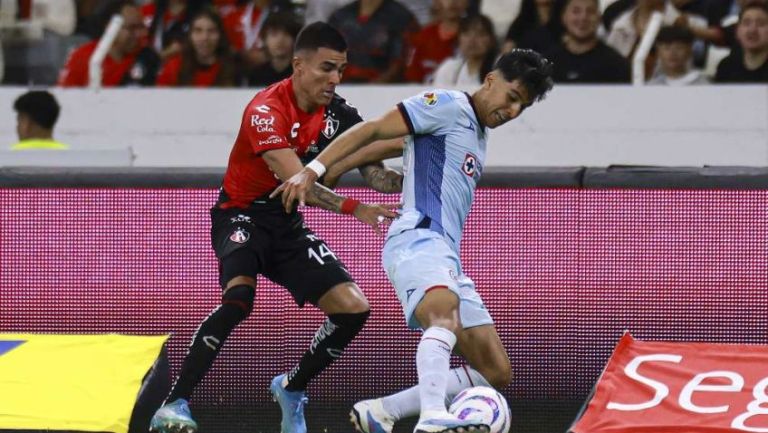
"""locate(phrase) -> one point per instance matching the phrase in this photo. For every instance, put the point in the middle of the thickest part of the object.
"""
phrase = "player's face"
(502, 100)
(318, 73)
(204, 36)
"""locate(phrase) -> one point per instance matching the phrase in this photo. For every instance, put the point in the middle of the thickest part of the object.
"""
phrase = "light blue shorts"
(416, 260)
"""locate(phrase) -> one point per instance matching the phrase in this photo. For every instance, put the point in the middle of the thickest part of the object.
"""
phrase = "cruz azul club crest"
(240, 236)
(470, 165)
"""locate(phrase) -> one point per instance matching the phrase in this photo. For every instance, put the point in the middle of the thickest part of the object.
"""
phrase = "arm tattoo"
(382, 179)
(322, 197)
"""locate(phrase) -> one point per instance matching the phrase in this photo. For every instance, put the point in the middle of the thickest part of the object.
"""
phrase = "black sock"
(329, 342)
(209, 338)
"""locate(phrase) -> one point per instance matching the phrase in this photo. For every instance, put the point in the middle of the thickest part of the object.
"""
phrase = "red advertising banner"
(666, 387)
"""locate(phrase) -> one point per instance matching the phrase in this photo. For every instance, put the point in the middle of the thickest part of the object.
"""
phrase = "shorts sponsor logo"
(331, 126)
(273, 139)
(470, 165)
(240, 236)
(429, 99)
(240, 218)
(263, 123)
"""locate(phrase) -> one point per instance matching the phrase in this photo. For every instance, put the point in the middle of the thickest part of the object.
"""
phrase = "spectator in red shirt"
(435, 42)
(128, 61)
(279, 34)
(205, 58)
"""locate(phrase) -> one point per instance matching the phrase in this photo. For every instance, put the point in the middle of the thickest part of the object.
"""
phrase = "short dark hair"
(753, 4)
(669, 34)
(281, 21)
(320, 35)
(530, 68)
(103, 13)
(40, 106)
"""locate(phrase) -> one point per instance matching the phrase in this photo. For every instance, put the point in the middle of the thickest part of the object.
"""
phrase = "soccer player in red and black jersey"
(252, 234)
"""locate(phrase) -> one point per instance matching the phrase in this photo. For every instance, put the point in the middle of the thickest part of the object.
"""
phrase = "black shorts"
(263, 239)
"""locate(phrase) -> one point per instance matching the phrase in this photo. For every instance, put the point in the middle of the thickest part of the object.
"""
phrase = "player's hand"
(296, 188)
(376, 215)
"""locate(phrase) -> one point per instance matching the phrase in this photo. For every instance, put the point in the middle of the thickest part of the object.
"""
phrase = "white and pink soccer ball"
(483, 404)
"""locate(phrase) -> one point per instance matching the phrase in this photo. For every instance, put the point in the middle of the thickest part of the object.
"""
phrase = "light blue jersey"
(442, 163)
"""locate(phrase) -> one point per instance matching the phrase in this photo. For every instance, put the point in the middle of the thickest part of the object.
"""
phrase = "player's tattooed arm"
(382, 179)
(322, 197)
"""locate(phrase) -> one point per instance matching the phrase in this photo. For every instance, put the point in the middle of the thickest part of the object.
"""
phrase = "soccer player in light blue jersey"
(444, 153)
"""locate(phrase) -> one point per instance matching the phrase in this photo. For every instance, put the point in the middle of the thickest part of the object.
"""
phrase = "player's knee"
(240, 297)
(352, 322)
(345, 298)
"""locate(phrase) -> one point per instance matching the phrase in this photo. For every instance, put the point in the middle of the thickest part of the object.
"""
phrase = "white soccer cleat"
(444, 422)
(369, 416)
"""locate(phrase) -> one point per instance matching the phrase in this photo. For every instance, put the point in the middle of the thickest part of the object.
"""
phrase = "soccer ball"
(483, 404)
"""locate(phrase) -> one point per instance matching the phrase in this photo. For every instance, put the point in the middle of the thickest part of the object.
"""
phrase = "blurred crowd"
(233, 43)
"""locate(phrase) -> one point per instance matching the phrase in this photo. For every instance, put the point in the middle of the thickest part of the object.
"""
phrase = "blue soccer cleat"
(444, 422)
(369, 416)
(173, 417)
(292, 405)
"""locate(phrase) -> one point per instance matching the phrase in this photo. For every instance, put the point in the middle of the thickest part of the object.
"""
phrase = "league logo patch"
(331, 126)
(240, 236)
(430, 99)
(470, 165)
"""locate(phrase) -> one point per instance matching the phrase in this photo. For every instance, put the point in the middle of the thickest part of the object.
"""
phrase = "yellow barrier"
(72, 382)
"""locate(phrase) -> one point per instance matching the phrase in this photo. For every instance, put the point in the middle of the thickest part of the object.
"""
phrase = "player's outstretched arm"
(391, 125)
(284, 163)
(368, 160)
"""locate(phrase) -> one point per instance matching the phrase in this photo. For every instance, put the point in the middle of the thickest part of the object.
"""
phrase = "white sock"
(433, 359)
(407, 402)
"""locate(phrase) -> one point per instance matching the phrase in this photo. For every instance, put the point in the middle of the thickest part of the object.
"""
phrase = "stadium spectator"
(750, 63)
(675, 51)
(477, 53)
(629, 26)
(36, 115)
(168, 22)
(531, 29)
(702, 17)
(731, 19)
(581, 57)
(435, 42)
(244, 25)
(321, 10)
(278, 34)
(205, 59)
(128, 61)
(377, 31)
